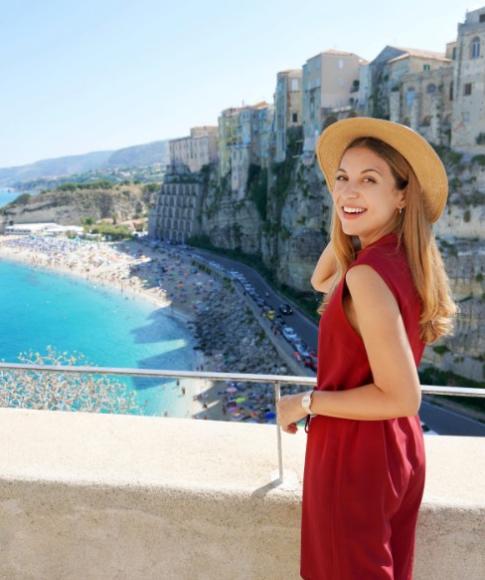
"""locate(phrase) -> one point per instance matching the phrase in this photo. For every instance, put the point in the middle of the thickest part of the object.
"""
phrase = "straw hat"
(425, 162)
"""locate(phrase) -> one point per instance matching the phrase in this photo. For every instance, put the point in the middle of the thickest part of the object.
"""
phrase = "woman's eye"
(369, 178)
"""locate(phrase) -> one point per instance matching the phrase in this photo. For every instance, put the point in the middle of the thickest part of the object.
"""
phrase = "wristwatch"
(306, 402)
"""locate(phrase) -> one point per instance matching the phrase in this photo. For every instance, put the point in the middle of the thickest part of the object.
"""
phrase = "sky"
(95, 75)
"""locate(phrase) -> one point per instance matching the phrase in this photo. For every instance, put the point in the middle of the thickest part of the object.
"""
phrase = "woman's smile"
(351, 212)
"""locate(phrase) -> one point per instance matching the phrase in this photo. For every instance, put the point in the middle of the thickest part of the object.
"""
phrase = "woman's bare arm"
(325, 270)
(396, 390)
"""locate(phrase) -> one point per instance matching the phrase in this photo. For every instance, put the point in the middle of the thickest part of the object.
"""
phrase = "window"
(410, 94)
(467, 89)
(453, 53)
(294, 84)
(451, 91)
(294, 118)
(426, 67)
(482, 17)
(475, 47)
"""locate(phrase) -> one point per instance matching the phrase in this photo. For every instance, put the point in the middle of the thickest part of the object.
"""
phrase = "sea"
(7, 195)
(39, 308)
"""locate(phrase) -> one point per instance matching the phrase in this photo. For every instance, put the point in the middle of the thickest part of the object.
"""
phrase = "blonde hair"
(415, 232)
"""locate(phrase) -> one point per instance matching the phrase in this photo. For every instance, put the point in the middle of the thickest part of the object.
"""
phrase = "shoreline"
(133, 286)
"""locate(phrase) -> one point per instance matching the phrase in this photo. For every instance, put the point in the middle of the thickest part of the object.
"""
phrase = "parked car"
(289, 333)
(285, 309)
(310, 361)
(301, 347)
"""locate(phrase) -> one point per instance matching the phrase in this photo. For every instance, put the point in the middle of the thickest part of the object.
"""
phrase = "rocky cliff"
(122, 202)
(285, 219)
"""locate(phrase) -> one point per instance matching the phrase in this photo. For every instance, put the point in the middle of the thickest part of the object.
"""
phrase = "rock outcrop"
(121, 202)
(291, 232)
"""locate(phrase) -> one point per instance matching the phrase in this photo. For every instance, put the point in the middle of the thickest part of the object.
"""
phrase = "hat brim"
(420, 155)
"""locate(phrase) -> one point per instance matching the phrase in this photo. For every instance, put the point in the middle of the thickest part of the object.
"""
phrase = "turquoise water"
(40, 308)
(7, 196)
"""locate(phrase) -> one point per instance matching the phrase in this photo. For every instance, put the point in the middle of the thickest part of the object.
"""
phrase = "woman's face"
(364, 181)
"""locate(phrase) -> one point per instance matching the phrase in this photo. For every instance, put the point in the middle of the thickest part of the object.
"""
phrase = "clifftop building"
(330, 89)
(468, 118)
(383, 75)
(177, 206)
(288, 108)
(196, 150)
(244, 139)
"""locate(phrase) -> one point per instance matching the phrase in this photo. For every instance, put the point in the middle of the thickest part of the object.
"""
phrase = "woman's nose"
(350, 191)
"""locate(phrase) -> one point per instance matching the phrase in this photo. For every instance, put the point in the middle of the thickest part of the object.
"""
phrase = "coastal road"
(448, 422)
(441, 420)
(305, 328)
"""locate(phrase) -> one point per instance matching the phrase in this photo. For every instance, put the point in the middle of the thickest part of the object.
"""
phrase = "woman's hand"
(289, 411)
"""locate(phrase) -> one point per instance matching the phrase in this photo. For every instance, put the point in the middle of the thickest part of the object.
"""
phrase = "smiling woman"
(388, 297)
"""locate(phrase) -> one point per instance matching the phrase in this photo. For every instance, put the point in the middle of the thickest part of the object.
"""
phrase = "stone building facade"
(424, 103)
(199, 149)
(468, 119)
(385, 74)
(177, 207)
(422, 97)
(288, 108)
(330, 81)
(245, 138)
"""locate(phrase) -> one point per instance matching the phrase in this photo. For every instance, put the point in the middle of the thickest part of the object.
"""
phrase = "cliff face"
(284, 223)
(290, 229)
(464, 351)
(71, 207)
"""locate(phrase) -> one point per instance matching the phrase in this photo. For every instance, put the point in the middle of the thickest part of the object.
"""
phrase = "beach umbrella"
(270, 415)
(240, 399)
(231, 390)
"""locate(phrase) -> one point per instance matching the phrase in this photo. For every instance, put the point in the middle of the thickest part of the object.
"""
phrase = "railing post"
(277, 396)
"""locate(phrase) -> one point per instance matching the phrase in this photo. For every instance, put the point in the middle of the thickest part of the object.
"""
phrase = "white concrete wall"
(97, 496)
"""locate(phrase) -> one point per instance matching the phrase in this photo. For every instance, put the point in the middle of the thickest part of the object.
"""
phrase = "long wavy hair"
(414, 231)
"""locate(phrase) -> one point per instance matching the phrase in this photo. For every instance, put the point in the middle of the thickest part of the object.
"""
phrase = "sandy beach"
(226, 335)
(132, 269)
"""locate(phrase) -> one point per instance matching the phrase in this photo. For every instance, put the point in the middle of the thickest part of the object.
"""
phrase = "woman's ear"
(402, 198)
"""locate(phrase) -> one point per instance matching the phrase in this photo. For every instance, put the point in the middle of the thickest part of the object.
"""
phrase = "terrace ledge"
(88, 495)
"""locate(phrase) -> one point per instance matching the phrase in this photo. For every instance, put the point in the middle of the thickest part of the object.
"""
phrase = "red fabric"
(363, 479)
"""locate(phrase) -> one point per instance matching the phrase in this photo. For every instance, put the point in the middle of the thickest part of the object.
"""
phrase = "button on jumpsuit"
(363, 479)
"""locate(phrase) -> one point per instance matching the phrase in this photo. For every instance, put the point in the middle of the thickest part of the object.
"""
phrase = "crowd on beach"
(171, 279)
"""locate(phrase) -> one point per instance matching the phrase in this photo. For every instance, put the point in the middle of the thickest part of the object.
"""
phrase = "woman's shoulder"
(390, 258)
(382, 251)
(390, 263)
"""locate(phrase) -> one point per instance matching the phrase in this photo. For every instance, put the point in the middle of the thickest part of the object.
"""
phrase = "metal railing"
(276, 380)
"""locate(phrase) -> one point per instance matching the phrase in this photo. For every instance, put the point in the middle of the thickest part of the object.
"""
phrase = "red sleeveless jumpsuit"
(363, 479)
